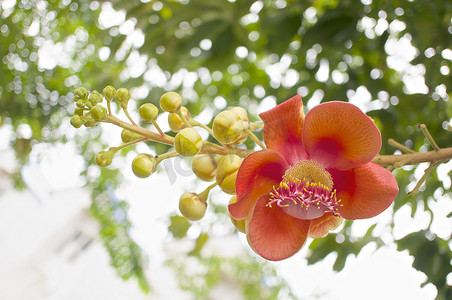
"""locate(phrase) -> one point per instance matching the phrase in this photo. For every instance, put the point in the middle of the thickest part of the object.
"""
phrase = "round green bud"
(204, 166)
(98, 113)
(128, 136)
(79, 111)
(144, 165)
(95, 98)
(227, 172)
(80, 103)
(228, 127)
(104, 158)
(76, 121)
(148, 112)
(188, 142)
(109, 92)
(123, 96)
(170, 101)
(175, 121)
(192, 206)
(90, 123)
(239, 224)
(241, 112)
(81, 92)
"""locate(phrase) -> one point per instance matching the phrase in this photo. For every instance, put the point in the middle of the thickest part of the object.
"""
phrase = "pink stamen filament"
(305, 194)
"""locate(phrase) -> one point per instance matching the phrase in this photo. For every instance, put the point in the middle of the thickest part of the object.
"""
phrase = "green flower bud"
(95, 98)
(80, 103)
(81, 92)
(192, 206)
(239, 224)
(228, 127)
(188, 142)
(109, 92)
(144, 165)
(104, 158)
(170, 101)
(123, 96)
(79, 111)
(227, 172)
(148, 112)
(128, 136)
(241, 112)
(90, 123)
(76, 121)
(175, 121)
(204, 166)
(98, 113)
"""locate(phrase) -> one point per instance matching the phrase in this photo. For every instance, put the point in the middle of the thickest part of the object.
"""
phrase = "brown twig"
(415, 158)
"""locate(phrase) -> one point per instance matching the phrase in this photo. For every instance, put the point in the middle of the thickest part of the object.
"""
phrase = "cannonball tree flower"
(315, 172)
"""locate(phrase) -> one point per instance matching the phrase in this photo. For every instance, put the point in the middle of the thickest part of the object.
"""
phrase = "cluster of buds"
(211, 161)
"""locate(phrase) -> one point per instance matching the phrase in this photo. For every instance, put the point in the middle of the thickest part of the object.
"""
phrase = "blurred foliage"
(422, 245)
(254, 277)
(397, 54)
(111, 212)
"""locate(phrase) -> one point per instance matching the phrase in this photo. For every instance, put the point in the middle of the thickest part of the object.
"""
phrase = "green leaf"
(179, 226)
(200, 241)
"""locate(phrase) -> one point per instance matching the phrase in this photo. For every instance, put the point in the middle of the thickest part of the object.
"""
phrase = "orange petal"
(257, 175)
(320, 227)
(283, 129)
(273, 234)
(340, 136)
(365, 191)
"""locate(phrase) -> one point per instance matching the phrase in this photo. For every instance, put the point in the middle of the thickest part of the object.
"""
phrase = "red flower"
(316, 171)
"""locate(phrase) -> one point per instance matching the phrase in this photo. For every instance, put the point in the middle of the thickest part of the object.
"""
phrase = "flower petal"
(320, 227)
(365, 191)
(283, 129)
(339, 135)
(259, 172)
(273, 234)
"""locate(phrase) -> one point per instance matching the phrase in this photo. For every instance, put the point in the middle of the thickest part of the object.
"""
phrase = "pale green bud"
(192, 206)
(188, 142)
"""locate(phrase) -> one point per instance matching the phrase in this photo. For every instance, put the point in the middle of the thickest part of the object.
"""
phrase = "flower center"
(305, 192)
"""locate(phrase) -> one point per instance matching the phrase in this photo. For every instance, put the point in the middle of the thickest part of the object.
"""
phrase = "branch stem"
(434, 156)
(255, 139)
(423, 178)
(429, 137)
(400, 146)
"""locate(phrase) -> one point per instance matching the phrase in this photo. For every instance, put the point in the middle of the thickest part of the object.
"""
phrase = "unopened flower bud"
(76, 121)
(123, 96)
(104, 158)
(204, 166)
(239, 224)
(95, 98)
(144, 165)
(227, 127)
(109, 92)
(80, 103)
(148, 112)
(192, 206)
(188, 142)
(98, 112)
(175, 121)
(81, 92)
(90, 122)
(241, 112)
(170, 101)
(227, 173)
(79, 111)
(128, 136)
